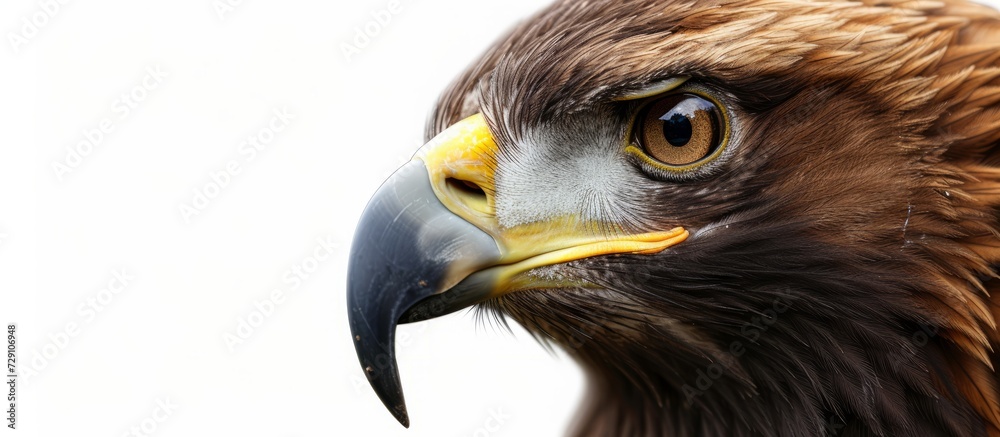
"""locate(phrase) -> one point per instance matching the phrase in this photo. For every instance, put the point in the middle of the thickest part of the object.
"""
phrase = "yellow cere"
(464, 152)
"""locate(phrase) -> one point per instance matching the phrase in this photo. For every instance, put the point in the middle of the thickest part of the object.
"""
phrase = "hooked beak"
(429, 244)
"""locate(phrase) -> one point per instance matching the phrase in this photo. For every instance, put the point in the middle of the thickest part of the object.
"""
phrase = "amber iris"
(680, 129)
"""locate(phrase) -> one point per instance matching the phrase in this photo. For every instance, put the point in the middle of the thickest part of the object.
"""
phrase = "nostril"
(465, 187)
(469, 194)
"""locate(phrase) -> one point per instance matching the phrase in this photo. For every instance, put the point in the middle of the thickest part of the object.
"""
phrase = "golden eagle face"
(741, 217)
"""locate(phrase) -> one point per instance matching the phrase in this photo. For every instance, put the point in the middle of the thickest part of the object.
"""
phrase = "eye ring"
(692, 132)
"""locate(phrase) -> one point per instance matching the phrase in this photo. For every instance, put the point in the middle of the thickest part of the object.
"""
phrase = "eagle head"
(741, 217)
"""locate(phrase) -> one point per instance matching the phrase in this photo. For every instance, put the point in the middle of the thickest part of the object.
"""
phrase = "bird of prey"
(740, 217)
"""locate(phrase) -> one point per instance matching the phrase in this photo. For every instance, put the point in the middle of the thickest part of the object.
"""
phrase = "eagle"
(739, 217)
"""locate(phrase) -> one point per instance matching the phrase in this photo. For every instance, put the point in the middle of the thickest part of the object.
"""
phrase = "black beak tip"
(392, 397)
(395, 404)
(400, 413)
(378, 362)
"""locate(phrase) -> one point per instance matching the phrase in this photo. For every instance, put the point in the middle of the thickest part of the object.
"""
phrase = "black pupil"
(677, 129)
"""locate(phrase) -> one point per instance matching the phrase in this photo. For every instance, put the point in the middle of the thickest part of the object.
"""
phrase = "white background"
(161, 339)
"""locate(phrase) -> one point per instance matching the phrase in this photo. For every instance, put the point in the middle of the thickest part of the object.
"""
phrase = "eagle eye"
(680, 129)
(673, 134)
